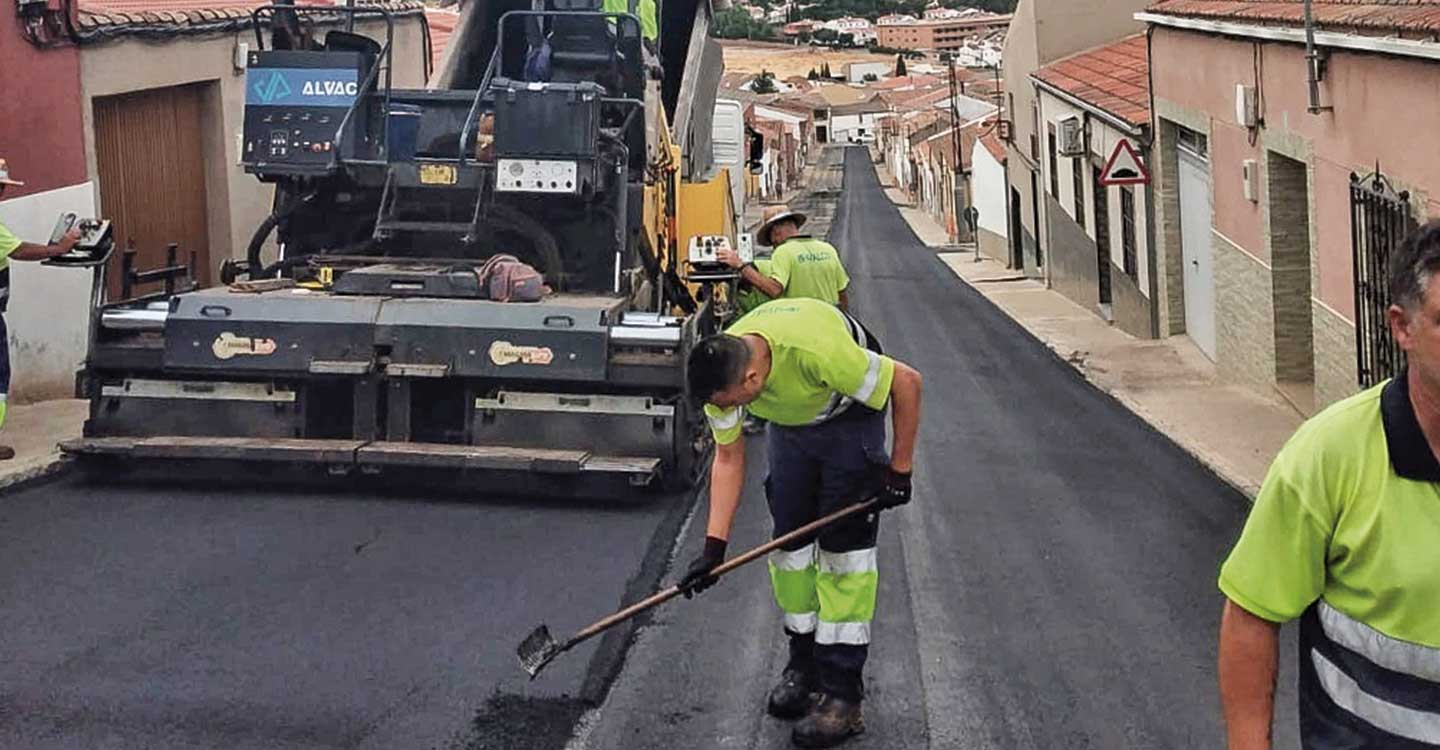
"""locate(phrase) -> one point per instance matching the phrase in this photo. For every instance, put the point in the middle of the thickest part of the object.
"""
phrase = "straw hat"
(774, 215)
(5, 175)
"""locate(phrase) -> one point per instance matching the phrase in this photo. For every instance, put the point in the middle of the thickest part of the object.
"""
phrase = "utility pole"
(959, 171)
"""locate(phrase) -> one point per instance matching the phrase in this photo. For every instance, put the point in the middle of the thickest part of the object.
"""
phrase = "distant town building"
(941, 34)
(896, 19)
(860, 29)
(857, 71)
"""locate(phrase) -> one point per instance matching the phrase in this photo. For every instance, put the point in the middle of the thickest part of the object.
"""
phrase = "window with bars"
(1127, 231)
(1054, 166)
(1077, 172)
(1380, 218)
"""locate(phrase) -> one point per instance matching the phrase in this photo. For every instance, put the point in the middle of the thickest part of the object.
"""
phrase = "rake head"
(537, 650)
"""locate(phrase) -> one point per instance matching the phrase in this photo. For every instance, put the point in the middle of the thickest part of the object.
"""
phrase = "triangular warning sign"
(1125, 167)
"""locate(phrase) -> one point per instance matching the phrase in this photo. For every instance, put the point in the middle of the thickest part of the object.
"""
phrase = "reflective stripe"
(1391, 653)
(853, 633)
(727, 421)
(845, 563)
(799, 559)
(801, 623)
(872, 379)
(1421, 726)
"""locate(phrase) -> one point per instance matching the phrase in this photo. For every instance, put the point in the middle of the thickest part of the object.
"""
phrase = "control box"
(704, 258)
(294, 103)
(96, 240)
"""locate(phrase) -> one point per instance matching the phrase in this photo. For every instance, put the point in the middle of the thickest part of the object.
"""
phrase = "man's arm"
(1249, 650)
(845, 300)
(727, 479)
(905, 415)
(767, 286)
(32, 251)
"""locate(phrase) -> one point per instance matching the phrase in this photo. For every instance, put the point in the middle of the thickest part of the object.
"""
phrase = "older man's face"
(1417, 331)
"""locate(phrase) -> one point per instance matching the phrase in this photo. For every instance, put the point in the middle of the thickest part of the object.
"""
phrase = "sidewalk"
(34, 431)
(1168, 383)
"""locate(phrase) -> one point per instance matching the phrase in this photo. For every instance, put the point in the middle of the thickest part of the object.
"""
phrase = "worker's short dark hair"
(1414, 264)
(716, 363)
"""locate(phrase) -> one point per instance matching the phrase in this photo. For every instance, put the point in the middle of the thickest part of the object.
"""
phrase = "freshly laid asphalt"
(163, 617)
(1052, 585)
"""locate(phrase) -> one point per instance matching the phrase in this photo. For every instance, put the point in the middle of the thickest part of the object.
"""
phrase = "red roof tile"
(1113, 78)
(442, 27)
(1376, 16)
(114, 16)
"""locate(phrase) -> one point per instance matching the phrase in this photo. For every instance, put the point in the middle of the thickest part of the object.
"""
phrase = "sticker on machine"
(505, 353)
(229, 345)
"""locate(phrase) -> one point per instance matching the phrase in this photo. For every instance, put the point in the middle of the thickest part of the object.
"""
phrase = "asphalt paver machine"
(360, 335)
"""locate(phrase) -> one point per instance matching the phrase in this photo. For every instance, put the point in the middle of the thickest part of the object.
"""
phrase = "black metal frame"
(1380, 218)
(470, 130)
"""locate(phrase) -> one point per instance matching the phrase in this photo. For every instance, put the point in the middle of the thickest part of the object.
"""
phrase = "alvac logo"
(329, 88)
(269, 89)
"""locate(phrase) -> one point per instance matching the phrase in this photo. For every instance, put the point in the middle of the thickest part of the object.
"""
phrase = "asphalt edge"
(1202, 456)
(1212, 461)
(44, 471)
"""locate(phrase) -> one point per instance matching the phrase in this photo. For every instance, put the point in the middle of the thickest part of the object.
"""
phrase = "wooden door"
(150, 155)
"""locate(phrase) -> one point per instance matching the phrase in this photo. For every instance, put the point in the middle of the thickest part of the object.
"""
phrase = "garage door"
(149, 149)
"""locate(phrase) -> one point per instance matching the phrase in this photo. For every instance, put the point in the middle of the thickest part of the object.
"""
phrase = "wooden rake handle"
(666, 595)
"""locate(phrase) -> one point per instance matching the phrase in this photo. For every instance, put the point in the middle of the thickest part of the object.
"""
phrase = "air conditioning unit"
(1247, 106)
(1072, 136)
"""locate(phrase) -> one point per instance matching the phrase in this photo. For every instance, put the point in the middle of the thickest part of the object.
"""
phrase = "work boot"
(831, 722)
(790, 698)
(6, 453)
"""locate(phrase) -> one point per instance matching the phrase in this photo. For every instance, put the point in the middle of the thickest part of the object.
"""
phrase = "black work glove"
(697, 577)
(895, 491)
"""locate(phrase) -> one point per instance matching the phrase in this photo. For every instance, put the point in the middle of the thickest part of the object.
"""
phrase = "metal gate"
(1379, 220)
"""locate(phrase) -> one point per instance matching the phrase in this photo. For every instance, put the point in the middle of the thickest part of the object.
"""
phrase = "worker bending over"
(813, 372)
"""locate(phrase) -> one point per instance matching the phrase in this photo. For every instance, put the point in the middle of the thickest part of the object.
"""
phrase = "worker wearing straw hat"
(11, 248)
(801, 266)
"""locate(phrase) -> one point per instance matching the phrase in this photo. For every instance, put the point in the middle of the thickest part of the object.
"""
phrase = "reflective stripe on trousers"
(829, 593)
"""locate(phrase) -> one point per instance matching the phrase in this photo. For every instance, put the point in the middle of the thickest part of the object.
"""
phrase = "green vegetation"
(764, 83)
(735, 23)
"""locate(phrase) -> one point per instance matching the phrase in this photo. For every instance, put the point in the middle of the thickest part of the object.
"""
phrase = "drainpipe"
(1314, 61)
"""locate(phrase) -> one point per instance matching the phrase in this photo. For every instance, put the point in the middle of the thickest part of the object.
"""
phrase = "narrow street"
(1038, 593)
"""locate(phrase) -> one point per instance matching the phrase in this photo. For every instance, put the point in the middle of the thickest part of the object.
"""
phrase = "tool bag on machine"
(504, 278)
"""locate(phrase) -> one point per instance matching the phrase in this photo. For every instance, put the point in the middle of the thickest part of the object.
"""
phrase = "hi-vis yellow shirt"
(809, 267)
(816, 368)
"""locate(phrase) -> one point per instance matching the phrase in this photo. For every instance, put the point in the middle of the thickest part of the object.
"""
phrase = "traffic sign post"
(1124, 167)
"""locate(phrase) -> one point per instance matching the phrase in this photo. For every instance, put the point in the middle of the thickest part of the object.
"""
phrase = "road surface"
(162, 617)
(1051, 586)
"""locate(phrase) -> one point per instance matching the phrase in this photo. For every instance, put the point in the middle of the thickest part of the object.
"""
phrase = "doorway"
(1017, 241)
(1196, 252)
(1102, 237)
(149, 151)
(1289, 202)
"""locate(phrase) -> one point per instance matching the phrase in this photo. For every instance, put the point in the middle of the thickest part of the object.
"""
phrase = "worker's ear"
(753, 381)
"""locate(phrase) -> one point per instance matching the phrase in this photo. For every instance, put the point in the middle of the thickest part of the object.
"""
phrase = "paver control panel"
(294, 104)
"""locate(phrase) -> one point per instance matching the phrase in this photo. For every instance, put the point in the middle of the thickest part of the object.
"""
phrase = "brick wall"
(1288, 203)
(1244, 315)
